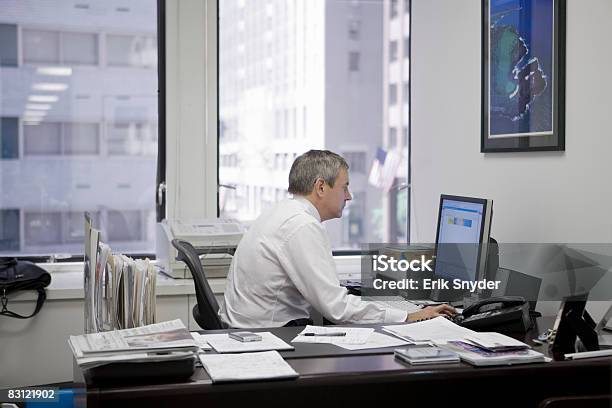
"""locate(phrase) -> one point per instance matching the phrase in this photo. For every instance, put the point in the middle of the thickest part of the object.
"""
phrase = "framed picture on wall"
(523, 75)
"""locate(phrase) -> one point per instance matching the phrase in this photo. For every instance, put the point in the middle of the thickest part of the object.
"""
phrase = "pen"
(334, 334)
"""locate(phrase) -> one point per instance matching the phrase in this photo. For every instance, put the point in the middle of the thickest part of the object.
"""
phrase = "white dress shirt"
(283, 266)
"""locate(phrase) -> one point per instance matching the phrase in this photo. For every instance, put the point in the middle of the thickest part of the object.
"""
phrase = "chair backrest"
(205, 312)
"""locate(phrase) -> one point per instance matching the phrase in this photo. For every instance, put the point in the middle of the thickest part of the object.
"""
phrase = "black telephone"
(502, 314)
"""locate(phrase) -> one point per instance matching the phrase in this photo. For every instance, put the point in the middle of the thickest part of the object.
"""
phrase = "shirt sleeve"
(306, 257)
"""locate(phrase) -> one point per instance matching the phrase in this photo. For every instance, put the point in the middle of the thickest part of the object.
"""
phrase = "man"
(284, 266)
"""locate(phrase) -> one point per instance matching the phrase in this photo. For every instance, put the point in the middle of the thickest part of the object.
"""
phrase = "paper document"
(222, 343)
(376, 340)
(495, 341)
(333, 335)
(248, 366)
(200, 342)
(437, 329)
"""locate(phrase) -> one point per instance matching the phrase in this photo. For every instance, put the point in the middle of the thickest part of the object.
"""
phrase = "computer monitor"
(462, 241)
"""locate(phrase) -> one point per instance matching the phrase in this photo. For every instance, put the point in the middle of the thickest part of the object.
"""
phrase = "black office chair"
(205, 311)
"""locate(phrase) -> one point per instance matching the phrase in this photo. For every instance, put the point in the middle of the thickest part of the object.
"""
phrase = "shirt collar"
(308, 206)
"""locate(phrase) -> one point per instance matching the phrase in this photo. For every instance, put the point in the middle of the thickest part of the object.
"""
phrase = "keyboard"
(398, 302)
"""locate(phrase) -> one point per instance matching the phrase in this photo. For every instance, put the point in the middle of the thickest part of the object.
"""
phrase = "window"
(55, 138)
(9, 134)
(124, 226)
(392, 94)
(354, 27)
(81, 138)
(42, 139)
(356, 214)
(393, 8)
(47, 46)
(354, 61)
(392, 137)
(73, 231)
(9, 230)
(356, 161)
(78, 125)
(406, 45)
(393, 51)
(130, 50)
(40, 46)
(327, 110)
(131, 139)
(8, 45)
(42, 228)
(80, 48)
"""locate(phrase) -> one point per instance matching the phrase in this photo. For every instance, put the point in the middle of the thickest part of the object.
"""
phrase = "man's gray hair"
(310, 166)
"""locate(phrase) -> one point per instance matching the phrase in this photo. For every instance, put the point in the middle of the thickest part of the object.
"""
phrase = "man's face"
(335, 197)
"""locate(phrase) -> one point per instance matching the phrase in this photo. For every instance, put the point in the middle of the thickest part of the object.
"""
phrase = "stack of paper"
(334, 335)
(426, 354)
(480, 357)
(246, 367)
(119, 291)
(222, 343)
(496, 342)
(141, 344)
(475, 348)
(439, 329)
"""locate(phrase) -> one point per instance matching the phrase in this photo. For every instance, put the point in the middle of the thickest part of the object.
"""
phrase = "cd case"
(426, 354)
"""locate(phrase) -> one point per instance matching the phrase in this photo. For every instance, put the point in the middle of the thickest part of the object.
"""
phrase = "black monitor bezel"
(485, 209)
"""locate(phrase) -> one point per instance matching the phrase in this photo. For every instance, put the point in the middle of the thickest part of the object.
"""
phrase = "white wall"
(538, 197)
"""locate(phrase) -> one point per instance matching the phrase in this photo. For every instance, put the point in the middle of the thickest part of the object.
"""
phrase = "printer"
(215, 240)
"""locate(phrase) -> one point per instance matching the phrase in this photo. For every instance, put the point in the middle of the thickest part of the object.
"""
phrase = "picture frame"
(523, 75)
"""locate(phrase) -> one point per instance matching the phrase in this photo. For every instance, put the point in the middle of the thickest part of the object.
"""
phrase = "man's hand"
(432, 311)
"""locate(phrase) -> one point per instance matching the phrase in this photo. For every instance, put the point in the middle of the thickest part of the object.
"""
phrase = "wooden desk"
(359, 379)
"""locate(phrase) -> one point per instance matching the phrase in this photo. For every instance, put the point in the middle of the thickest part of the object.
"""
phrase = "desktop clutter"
(123, 341)
(248, 356)
(238, 355)
(465, 252)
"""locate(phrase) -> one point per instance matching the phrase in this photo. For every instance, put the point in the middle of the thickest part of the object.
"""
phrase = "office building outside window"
(396, 117)
(285, 88)
(78, 124)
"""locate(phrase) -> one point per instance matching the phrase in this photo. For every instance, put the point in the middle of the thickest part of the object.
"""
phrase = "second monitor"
(462, 242)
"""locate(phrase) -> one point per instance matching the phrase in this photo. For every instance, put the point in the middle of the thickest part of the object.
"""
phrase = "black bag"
(22, 275)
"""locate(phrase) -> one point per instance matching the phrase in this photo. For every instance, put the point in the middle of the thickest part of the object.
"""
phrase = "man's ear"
(319, 186)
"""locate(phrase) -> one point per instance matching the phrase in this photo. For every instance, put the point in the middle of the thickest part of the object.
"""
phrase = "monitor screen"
(462, 238)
